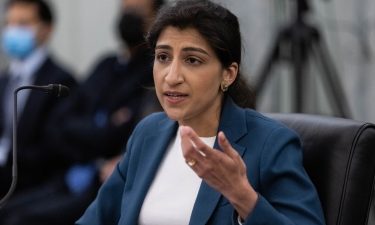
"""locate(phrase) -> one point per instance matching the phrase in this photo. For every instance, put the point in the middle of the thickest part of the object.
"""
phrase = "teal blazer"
(272, 154)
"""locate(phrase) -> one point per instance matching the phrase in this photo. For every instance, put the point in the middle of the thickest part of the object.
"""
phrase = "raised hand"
(225, 171)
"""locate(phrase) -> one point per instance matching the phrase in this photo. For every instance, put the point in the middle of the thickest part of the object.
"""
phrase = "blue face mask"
(18, 42)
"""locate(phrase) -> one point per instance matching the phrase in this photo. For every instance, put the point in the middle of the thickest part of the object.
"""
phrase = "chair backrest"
(339, 156)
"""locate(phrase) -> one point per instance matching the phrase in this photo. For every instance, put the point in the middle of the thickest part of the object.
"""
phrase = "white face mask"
(18, 42)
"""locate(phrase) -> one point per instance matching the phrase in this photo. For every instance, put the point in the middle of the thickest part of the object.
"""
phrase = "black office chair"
(339, 156)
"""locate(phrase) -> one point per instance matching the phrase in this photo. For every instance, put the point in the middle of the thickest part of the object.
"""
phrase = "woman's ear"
(230, 74)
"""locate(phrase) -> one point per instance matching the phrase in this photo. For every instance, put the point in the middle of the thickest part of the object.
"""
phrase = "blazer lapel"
(233, 124)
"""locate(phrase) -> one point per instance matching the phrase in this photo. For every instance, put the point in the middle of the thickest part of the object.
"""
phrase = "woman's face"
(187, 75)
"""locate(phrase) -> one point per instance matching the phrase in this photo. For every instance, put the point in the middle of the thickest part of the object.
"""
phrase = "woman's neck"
(207, 129)
(206, 126)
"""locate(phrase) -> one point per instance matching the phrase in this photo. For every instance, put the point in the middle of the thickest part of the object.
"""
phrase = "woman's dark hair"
(158, 4)
(218, 26)
(44, 12)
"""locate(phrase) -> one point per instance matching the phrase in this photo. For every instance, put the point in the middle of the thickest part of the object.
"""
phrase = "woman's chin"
(176, 116)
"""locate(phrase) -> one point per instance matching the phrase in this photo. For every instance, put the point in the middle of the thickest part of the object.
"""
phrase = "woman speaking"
(206, 159)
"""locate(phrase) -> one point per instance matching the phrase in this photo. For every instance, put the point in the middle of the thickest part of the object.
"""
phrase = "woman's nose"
(174, 74)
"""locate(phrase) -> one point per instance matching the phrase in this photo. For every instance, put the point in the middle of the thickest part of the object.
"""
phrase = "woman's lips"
(175, 97)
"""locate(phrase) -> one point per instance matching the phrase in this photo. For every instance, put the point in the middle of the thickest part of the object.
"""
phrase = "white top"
(25, 70)
(172, 194)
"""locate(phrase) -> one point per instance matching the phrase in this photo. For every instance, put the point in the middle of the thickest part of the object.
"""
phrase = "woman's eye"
(193, 61)
(162, 57)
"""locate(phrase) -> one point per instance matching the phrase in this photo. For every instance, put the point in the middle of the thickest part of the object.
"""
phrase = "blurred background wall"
(85, 31)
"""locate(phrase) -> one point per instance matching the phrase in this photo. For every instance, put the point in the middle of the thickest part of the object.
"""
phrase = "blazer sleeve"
(106, 208)
(286, 193)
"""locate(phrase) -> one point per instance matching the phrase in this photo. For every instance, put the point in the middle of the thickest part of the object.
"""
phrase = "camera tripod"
(296, 43)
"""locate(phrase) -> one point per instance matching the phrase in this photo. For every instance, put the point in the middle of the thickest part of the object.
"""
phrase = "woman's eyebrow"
(186, 49)
(163, 47)
(194, 49)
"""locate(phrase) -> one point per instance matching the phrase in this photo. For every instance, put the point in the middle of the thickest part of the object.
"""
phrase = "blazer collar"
(232, 120)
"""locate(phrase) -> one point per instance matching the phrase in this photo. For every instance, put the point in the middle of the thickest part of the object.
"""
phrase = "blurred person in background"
(27, 30)
(147, 9)
(88, 132)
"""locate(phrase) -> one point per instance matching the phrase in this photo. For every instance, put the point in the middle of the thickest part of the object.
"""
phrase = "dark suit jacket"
(271, 152)
(33, 158)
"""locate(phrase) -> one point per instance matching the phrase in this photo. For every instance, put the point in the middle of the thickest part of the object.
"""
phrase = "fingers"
(189, 151)
(197, 152)
(196, 142)
(226, 146)
(222, 170)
